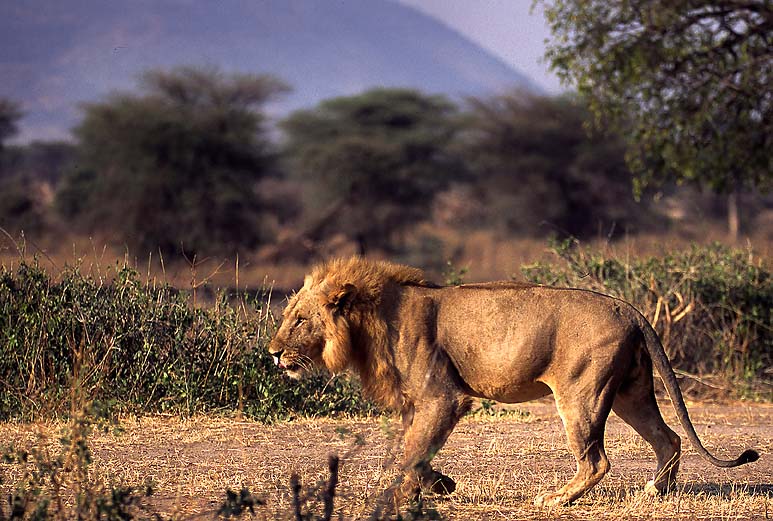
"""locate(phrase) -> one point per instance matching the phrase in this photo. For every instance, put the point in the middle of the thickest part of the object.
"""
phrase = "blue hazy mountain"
(55, 54)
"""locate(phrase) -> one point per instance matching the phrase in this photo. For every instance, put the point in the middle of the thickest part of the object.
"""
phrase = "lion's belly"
(502, 347)
(505, 369)
(502, 379)
(511, 393)
(511, 343)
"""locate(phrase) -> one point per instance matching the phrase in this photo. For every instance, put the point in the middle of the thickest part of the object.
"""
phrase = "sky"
(506, 28)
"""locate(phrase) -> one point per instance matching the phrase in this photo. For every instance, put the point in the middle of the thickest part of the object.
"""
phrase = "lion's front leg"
(433, 421)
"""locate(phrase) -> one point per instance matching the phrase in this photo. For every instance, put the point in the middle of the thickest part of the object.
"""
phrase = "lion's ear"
(339, 299)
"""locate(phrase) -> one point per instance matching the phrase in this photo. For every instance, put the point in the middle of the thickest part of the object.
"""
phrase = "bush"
(141, 347)
(712, 306)
(129, 345)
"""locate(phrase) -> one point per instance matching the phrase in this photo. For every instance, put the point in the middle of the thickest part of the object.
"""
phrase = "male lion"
(425, 350)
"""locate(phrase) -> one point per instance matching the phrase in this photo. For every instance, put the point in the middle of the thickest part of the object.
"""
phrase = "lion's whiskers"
(305, 362)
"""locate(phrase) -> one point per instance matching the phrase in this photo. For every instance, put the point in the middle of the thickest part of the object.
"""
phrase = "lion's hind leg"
(637, 406)
(584, 418)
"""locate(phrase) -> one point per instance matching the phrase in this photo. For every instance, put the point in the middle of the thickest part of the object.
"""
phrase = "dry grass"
(500, 464)
(487, 255)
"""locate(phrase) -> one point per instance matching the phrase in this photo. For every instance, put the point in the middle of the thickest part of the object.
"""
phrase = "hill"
(55, 54)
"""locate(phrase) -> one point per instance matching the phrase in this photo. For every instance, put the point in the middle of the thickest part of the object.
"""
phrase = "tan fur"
(425, 350)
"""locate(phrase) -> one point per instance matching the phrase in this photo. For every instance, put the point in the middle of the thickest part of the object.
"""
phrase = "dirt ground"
(499, 463)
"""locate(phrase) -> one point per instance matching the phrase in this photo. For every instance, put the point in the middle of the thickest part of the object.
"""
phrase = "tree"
(27, 176)
(688, 81)
(535, 165)
(176, 165)
(371, 163)
(42, 161)
(21, 207)
(9, 117)
(10, 113)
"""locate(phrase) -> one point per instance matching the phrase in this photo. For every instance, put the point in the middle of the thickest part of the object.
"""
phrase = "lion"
(427, 350)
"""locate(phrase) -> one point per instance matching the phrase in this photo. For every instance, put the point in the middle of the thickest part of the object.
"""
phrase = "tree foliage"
(10, 113)
(176, 165)
(40, 160)
(538, 170)
(21, 209)
(687, 80)
(372, 162)
(25, 171)
(9, 117)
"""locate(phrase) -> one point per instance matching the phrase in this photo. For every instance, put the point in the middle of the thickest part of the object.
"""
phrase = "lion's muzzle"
(287, 363)
(278, 359)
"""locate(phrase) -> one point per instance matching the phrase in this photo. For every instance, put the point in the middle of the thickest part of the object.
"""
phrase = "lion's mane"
(357, 331)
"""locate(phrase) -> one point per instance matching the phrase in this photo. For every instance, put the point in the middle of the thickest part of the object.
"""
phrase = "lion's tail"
(664, 369)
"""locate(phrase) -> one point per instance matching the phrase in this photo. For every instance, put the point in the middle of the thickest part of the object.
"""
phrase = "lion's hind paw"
(550, 499)
(439, 483)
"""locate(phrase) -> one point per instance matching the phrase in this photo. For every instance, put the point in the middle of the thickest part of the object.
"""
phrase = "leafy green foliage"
(175, 166)
(453, 276)
(25, 174)
(371, 163)
(538, 170)
(131, 346)
(489, 408)
(688, 81)
(142, 347)
(714, 305)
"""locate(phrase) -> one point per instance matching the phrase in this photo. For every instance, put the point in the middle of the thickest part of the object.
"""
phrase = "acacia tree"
(688, 81)
(176, 165)
(10, 113)
(9, 118)
(371, 163)
(22, 208)
(535, 166)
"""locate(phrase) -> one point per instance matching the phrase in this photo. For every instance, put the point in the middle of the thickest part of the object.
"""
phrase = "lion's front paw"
(651, 489)
(550, 499)
(439, 483)
(658, 489)
(408, 491)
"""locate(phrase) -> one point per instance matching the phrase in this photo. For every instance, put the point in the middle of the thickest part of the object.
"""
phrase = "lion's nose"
(277, 356)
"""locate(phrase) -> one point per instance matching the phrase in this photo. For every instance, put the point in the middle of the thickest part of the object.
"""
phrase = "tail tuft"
(748, 456)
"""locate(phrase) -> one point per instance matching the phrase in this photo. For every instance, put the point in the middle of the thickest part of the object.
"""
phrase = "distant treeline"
(191, 163)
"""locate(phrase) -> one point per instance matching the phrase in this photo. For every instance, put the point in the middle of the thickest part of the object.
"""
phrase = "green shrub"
(141, 347)
(129, 345)
(714, 305)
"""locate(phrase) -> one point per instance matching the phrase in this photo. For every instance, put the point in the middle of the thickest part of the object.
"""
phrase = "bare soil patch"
(499, 463)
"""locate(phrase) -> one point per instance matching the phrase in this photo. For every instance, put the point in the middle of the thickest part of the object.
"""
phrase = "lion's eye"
(299, 321)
